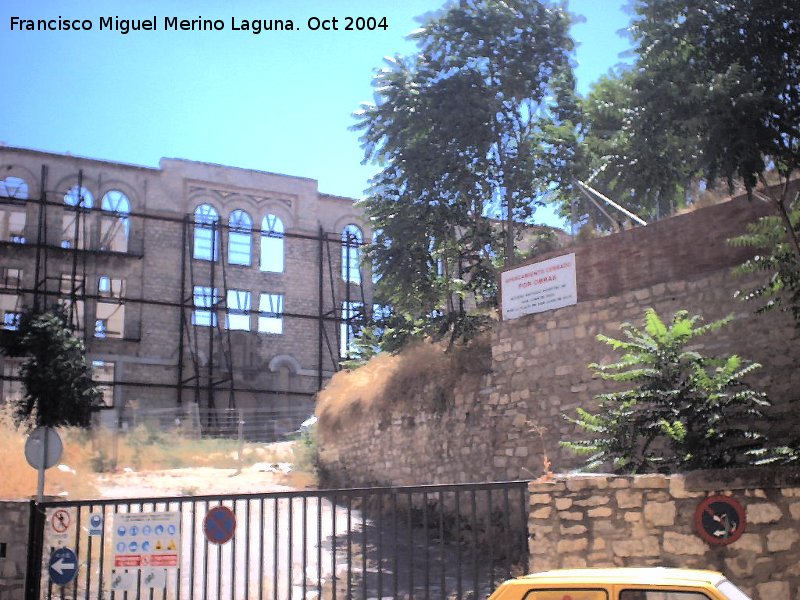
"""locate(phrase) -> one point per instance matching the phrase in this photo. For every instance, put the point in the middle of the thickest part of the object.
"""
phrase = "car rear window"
(567, 594)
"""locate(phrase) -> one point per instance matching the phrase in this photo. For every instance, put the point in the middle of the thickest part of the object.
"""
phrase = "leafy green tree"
(479, 123)
(57, 380)
(684, 412)
(646, 168)
(725, 76)
(781, 289)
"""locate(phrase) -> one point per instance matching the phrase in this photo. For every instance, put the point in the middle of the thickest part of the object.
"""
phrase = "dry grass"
(422, 376)
(88, 453)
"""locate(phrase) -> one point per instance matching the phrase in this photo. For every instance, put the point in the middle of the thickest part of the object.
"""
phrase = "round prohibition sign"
(219, 525)
(60, 521)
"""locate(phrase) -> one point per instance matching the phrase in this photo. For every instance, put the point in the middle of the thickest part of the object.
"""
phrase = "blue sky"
(279, 101)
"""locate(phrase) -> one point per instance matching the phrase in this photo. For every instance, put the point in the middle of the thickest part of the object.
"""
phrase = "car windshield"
(731, 591)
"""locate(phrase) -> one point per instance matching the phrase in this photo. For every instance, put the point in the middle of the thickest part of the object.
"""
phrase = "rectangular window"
(11, 278)
(664, 594)
(103, 376)
(561, 593)
(239, 248)
(350, 325)
(205, 306)
(108, 287)
(270, 313)
(206, 238)
(238, 315)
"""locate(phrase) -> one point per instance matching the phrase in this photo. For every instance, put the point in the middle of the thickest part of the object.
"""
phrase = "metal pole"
(321, 316)
(182, 316)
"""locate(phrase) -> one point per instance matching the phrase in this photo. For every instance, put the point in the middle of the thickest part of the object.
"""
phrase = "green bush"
(684, 411)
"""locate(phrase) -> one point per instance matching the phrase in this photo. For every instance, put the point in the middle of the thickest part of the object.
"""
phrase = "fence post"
(241, 439)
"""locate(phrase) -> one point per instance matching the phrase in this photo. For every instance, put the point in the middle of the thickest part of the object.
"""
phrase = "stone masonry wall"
(607, 521)
(501, 427)
(14, 521)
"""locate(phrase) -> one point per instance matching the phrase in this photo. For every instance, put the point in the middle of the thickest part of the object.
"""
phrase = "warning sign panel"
(147, 540)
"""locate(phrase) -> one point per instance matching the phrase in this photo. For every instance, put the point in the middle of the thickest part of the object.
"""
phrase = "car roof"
(629, 575)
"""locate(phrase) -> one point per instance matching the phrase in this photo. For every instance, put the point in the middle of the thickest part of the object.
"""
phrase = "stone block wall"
(499, 425)
(14, 522)
(610, 521)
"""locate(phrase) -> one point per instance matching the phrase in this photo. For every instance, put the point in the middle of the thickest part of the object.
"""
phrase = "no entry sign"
(219, 525)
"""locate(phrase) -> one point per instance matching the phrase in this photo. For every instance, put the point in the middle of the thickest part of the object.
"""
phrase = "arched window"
(12, 218)
(80, 197)
(272, 244)
(352, 238)
(74, 228)
(240, 238)
(115, 223)
(14, 187)
(206, 233)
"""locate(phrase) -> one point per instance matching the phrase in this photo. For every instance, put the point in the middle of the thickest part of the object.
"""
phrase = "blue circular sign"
(219, 525)
(63, 566)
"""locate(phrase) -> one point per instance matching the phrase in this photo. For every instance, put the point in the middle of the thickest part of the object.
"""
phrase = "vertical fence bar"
(319, 545)
(509, 542)
(490, 536)
(410, 522)
(475, 567)
(442, 563)
(290, 557)
(523, 513)
(379, 549)
(459, 581)
(305, 545)
(247, 549)
(262, 525)
(395, 581)
(349, 546)
(333, 547)
(275, 555)
(426, 540)
(364, 548)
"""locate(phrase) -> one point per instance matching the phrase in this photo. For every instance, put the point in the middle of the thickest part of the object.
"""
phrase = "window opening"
(351, 318)
(272, 250)
(240, 238)
(205, 303)
(14, 187)
(238, 314)
(103, 376)
(270, 313)
(352, 238)
(206, 233)
(115, 223)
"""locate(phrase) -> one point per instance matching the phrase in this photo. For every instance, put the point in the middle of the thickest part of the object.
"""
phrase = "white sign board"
(538, 287)
(147, 540)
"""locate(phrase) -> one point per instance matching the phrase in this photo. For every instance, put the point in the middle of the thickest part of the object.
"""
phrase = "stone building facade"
(192, 284)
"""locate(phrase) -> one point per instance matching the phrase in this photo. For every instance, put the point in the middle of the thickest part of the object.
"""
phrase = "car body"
(630, 583)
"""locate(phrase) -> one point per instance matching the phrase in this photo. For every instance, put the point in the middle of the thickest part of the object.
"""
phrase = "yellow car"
(654, 583)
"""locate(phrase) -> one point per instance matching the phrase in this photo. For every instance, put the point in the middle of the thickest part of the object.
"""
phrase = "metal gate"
(432, 542)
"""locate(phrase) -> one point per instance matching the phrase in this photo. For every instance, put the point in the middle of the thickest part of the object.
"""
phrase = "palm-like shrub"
(684, 411)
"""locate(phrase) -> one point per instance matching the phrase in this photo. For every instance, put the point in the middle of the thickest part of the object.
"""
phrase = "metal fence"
(432, 542)
(267, 424)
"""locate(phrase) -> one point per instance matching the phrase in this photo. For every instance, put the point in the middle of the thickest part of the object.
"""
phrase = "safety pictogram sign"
(60, 520)
(147, 540)
(219, 525)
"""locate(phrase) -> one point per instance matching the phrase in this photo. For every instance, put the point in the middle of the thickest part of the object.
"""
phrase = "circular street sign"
(719, 520)
(219, 525)
(60, 521)
(43, 448)
(63, 566)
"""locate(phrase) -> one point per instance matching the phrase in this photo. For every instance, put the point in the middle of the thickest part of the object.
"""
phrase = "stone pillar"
(14, 523)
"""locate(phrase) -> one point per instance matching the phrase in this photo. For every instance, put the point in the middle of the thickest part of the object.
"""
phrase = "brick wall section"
(539, 362)
(14, 521)
(608, 521)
